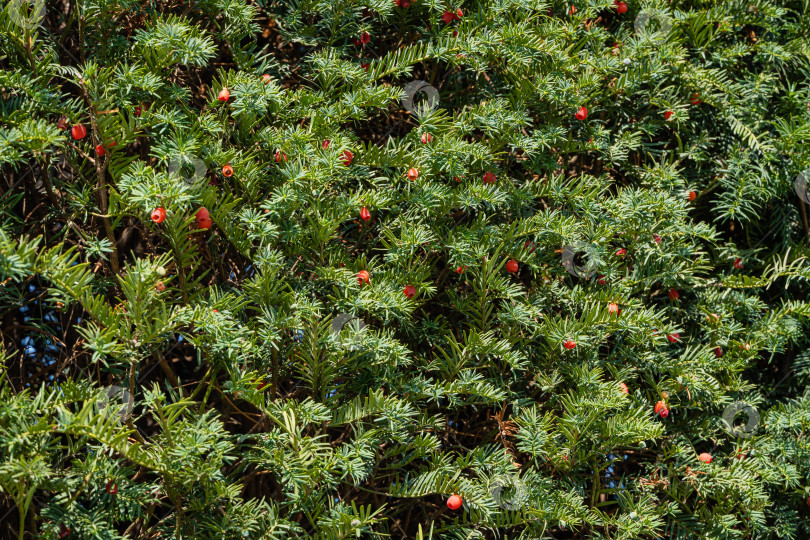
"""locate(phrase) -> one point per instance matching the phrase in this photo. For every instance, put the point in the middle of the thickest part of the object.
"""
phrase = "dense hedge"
(378, 269)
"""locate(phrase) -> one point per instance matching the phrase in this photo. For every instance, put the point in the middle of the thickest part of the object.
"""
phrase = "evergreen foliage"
(237, 380)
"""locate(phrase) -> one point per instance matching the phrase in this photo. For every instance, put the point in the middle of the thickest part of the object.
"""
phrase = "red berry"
(365, 38)
(718, 352)
(346, 158)
(668, 115)
(659, 407)
(530, 246)
(512, 266)
(621, 252)
(62, 123)
(621, 7)
(64, 532)
(404, 4)
(459, 270)
(78, 132)
(657, 239)
(227, 170)
(365, 214)
(112, 487)
(325, 144)
(674, 337)
(426, 138)
(705, 457)
(202, 213)
(224, 94)
(695, 100)
(362, 277)
(447, 17)
(808, 501)
(138, 110)
(692, 196)
(569, 343)
(266, 78)
(413, 174)
(613, 309)
(664, 412)
(159, 286)
(601, 280)
(581, 114)
(365, 65)
(738, 263)
(158, 215)
(489, 178)
(409, 291)
(205, 223)
(623, 388)
(459, 14)
(280, 156)
(454, 502)
(100, 151)
(673, 294)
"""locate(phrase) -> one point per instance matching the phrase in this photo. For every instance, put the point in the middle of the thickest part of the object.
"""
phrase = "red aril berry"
(668, 115)
(227, 170)
(530, 246)
(64, 532)
(138, 110)
(362, 277)
(695, 99)
(621, 252)
(664, 412)
(569, 344)
(365, 65)
(459, 270)
(601, 280)
(357, 42)
(489, 178)
(705, 457)
(159, 215)
(623, 388)
(447, 17)
(712, 318)
(659, 406)
(159, 286)
(202, 213)
(280, 156)
(266, 78)
(692, 196)
(413, 174)
(262, 384)
(365, 215)
(346, 158)
(62, 123)
(409, 291)
(112, 487)
(365, 38)
(581, 114)
(454, 502)
(224, 94)
(674, 337)
(205, 223)
(673, 294)
(325, 144)
(100, 151)
(426, 138)
(738, 263)
(459, 14)
(512, 266)
(718, 352)
(621, 7)
(808, 501)
(111, 143)
(404, 4)
(78, 132)
(657, 239)
(613, 309)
